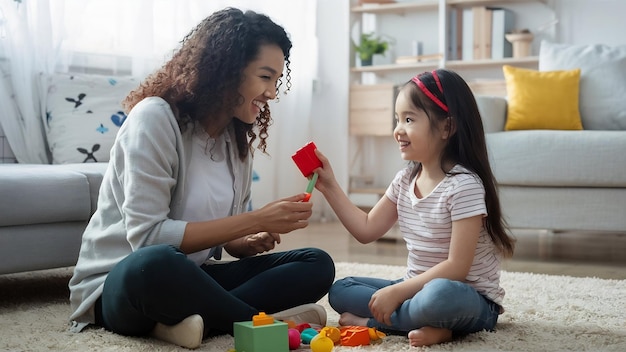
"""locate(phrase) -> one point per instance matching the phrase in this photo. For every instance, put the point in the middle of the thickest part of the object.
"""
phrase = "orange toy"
(354, 335)
(359, 335)
(375, 335)
(262, 319)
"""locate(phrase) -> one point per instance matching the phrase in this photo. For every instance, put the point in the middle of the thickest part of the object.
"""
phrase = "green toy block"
(263, 338)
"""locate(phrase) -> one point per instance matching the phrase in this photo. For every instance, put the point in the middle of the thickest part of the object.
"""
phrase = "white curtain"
(135, 37)
(29, 44)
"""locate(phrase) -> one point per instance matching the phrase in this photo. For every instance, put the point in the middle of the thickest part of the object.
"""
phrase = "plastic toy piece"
(306, 160)
(360, 336)
(309, 187)
(303, 326)
(332, 333)
(262, 319)
(308, 334)
(273, 336)
(376, 335)
(294, 339)
(354, 336)
(322, 343)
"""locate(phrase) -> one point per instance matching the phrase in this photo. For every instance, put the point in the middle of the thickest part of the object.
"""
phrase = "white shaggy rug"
(543, 313)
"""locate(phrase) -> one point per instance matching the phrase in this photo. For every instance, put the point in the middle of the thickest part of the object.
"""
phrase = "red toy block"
(306, 160)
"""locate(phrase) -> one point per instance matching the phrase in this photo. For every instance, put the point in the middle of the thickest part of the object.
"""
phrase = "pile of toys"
(264, 334)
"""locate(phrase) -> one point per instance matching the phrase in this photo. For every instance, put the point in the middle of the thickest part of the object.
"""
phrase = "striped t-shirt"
(426, 226)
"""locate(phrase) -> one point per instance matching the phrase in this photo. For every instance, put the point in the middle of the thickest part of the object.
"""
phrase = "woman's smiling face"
(260, 81)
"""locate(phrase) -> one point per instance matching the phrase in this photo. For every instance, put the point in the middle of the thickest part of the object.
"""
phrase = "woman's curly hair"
(202, 78)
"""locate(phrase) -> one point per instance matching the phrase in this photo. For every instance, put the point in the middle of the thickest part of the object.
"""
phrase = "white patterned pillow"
(602, 80)
(83, 113)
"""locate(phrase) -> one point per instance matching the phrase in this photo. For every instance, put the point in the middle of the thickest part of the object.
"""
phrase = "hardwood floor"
(600, 255)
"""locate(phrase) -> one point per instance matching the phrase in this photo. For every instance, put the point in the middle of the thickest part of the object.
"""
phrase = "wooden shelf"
(490, 63)
(531, 60)
(404, 7)
(486, 2)
(395, 67)
(397, 8)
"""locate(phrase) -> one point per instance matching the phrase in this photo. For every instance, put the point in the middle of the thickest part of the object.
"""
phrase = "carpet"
(543, 313)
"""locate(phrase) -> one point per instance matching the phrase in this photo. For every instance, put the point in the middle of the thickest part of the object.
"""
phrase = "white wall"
(329, 124)
(591, 21)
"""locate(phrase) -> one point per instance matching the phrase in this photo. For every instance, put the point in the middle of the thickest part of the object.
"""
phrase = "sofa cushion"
(542, 100)
(43, 194)
(558, 158)
(492, 112)
(602, 81)
(83, 114)
(94, 173)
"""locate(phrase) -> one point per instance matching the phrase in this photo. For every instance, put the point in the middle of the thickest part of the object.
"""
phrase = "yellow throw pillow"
(542, 100)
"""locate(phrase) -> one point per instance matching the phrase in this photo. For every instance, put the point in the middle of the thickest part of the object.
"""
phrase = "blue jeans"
(160, 284)
(442, 303)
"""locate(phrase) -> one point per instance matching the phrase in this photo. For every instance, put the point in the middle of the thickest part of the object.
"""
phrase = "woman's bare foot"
(349, 319)
(429, 335)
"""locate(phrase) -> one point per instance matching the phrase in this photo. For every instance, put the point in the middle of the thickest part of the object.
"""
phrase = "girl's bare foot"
(349, 319)
(429, 335)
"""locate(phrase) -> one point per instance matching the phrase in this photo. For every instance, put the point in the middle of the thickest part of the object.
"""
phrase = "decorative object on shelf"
(521, 41)
(369, 45)
(418, 58)
(376, 1)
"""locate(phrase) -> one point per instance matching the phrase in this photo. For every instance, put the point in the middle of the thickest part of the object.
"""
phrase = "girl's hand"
(383, 303)
(284, 215)
(326, 177)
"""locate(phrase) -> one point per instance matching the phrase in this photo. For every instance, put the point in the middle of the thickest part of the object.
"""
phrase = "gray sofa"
(44, 208)
(557, 180)
(43, 212)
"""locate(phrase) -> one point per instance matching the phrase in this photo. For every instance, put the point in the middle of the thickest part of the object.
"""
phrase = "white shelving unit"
(452, 64)
(371, 143)
(441, 9)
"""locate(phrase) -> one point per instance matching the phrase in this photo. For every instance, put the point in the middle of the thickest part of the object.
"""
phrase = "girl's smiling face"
(260, 82)
(417, 139)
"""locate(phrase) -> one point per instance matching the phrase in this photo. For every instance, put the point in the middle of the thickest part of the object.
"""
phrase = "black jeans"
(159, 284)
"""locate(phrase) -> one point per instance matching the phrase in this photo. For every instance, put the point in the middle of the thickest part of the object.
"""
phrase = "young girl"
(447, 207)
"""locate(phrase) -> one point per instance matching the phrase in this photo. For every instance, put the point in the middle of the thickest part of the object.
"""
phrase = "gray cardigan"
(140, 199)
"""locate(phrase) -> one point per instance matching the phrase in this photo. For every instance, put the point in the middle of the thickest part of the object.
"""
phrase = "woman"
(175, 192)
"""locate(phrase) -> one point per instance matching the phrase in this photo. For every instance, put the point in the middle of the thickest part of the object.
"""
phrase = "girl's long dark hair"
(202, 78)
(467, 146)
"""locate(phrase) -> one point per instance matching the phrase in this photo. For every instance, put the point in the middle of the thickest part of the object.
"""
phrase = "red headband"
(425, 90)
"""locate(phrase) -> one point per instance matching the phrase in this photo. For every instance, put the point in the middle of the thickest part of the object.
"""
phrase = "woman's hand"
(284, 215)
(281, 216)
(261, 242)
(250, 245)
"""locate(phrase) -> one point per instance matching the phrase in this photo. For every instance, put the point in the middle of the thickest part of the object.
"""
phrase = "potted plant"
(369, 45)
